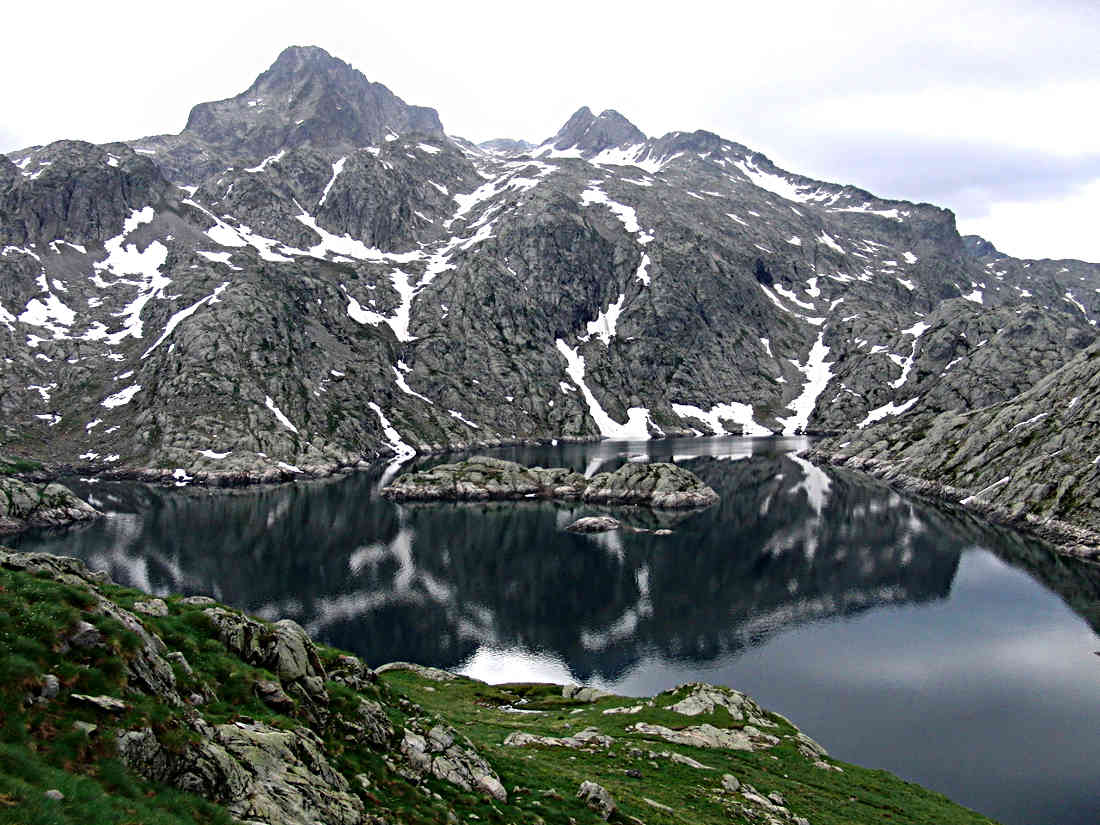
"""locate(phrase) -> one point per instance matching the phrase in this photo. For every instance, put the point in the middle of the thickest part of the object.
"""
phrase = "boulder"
(598, 799)
(703, 698)
(424, 672)
(259, 773)
(440, 751)
(748, 738)
(586, 738)
(152, 607)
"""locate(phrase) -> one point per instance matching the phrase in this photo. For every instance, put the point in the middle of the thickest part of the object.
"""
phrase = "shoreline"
(1064, 537)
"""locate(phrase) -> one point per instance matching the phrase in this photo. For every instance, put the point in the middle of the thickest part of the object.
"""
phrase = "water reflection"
(804, 585)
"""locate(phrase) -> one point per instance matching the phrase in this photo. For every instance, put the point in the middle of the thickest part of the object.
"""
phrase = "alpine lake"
(899, 634)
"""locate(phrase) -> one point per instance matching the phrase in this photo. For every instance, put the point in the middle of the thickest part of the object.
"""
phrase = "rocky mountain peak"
(591, 134)
(979, 247)
(307, 97)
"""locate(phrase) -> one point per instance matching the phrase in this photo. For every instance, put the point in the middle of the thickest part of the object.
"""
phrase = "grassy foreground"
(70, 745)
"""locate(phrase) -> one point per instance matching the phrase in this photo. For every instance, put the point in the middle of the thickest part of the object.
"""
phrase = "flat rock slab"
(658, 484)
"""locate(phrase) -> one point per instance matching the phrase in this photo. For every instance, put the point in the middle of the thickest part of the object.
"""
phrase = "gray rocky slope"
(313, 273)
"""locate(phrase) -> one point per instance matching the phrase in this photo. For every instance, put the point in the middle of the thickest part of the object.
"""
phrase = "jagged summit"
(588, 135)
(505, 146)
(979, 247)
(306, 97)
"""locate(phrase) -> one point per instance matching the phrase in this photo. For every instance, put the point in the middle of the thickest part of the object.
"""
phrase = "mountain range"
(314, 274)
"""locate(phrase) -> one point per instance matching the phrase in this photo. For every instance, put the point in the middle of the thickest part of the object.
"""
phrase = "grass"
(42, 746)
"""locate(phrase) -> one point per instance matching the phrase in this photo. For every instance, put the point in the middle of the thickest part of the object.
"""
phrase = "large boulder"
(260, 773)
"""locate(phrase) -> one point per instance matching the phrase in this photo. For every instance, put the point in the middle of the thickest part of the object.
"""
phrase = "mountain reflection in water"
(822, 565)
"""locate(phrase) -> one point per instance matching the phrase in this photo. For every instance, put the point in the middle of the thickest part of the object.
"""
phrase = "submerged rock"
(594, 524)
(657, 484)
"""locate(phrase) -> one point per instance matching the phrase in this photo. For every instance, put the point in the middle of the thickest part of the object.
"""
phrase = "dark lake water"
(900, 635)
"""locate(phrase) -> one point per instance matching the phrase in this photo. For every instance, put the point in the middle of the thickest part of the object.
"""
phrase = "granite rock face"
(1028, 461)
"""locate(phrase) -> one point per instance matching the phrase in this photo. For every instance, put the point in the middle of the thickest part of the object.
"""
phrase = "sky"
(986, 108)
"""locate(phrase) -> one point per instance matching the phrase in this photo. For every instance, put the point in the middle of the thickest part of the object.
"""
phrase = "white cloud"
(1063, 227)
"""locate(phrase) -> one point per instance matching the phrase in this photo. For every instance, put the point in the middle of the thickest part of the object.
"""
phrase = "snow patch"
(270, 404)
(737, 413)
(636, 426)
(818, 374)
(879, 413)
(121, 398)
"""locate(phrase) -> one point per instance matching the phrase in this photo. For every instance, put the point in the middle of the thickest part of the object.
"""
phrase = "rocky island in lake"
(658, 484)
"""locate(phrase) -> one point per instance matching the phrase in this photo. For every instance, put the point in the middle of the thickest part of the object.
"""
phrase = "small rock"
(54, 794)
(198, 601)
(730, 782)
(50, 686)
(196, 699)
(152, 607)
(108, 703)
(85, 727)
(594, 524)
(801, 820)
(633, 772)
(659, 806)
(86, 636)
(580, 693)
(777, 798)
(181, 660)
(597, 798)
(271, 694)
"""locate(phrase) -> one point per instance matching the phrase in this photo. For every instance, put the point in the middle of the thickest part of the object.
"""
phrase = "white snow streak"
(402, 451)
(879, 413)
(737, 413)
(279, 415)
(121, 397)
(337, 168)
(635, 427)
(818, 373)
(183, 315)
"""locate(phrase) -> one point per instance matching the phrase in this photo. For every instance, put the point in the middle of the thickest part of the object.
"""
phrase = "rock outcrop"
(24, 504)
(659, 485)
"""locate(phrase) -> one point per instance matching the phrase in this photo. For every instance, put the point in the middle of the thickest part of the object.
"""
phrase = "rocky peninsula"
(659, 485)
(121, 707)
(25, 504)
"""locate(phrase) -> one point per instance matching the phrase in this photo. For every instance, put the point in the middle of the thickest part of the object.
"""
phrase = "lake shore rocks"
(24, 504)
(659, 485)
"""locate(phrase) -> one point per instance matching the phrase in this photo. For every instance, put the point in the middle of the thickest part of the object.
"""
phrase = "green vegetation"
(70, 745)
(10, 465)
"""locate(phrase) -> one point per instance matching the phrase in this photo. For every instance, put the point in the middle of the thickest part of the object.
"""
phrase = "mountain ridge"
(303, 303)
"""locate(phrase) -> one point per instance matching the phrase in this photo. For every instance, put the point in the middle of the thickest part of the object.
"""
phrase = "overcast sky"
(987, 108)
